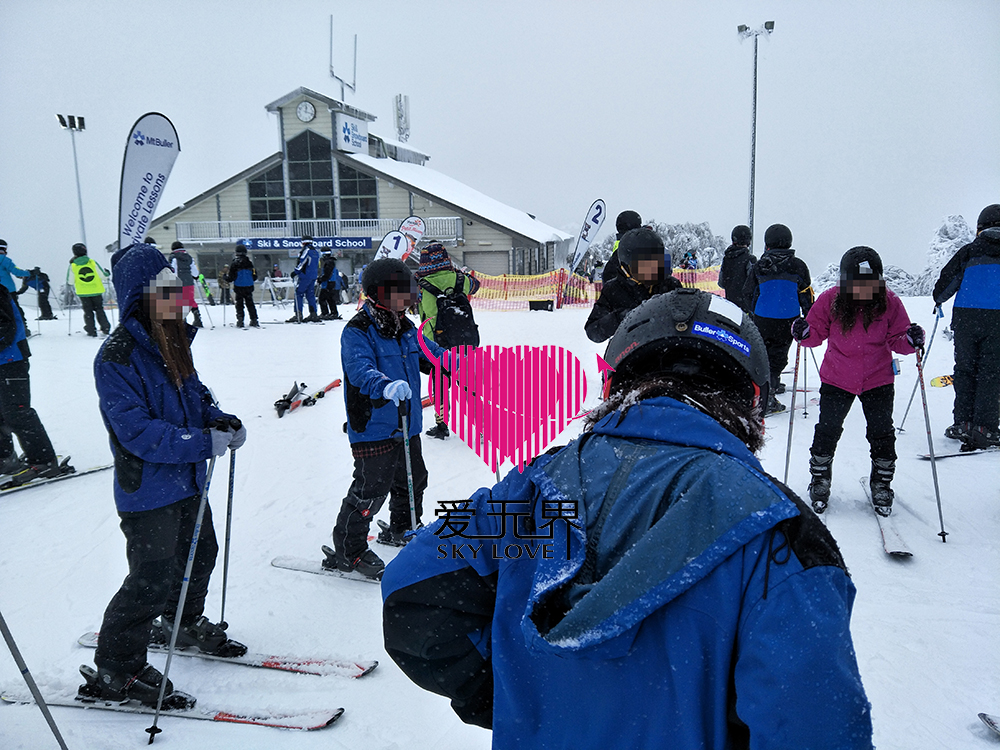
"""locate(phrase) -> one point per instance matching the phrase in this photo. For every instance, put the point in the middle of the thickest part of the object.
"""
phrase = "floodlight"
(79, 123)
(769, 26)
(62, 122)
(742, 29)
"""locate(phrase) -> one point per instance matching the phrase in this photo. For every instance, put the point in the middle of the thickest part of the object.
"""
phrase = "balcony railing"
(444, 228)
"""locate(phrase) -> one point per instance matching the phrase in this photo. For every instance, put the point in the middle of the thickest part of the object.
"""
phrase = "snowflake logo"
(347, 133)
(140, 139)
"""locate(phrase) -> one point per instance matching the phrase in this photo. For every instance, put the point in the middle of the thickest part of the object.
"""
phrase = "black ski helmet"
(636, 242)
(860, 263)
(989, 217)
(3, 246)
(742, 236)
(778, 237)
(176, 245)
(79, 250)
(690, 332)
(627, 220)
(387, 273)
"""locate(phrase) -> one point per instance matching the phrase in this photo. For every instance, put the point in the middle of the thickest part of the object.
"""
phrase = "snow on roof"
(443, 189)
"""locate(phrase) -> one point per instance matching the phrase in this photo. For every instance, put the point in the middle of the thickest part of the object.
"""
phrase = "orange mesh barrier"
(509, 292)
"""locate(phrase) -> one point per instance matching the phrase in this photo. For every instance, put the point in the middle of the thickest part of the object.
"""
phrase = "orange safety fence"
(510, 292)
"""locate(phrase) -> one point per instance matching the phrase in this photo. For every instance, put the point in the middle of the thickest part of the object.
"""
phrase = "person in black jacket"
(643, 274)
(39, 281)
(16, 415)
(974, 273)
(780, 290)
(626, 221)
(737, 265)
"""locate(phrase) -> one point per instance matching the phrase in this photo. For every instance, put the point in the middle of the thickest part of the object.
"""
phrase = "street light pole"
(745, 32)
(75, 124)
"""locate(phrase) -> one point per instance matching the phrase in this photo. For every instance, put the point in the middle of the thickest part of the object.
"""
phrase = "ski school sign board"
(294, 244)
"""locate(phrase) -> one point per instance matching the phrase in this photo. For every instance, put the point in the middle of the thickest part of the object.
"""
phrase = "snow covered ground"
(925, 628)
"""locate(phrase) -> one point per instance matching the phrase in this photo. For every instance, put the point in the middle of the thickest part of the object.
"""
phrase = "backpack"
(455, 324)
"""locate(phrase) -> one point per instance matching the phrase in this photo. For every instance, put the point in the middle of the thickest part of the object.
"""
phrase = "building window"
(358, 194)
(267, 196)
(310, 176)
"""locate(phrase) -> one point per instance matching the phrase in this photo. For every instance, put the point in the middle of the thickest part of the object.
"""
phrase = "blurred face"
(864, 290)
(398, 293)
(164, 301)
(649, 268)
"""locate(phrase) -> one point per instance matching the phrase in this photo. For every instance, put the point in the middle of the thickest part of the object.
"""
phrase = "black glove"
(915, 336)
(800, 329)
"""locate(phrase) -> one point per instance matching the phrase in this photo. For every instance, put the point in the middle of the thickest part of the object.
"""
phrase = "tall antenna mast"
(354, 79)
(402, 110)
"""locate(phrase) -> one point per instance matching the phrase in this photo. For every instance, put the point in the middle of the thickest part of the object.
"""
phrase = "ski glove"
(220, 441)
(397, 391)
(239, 437)
(915, 336)
(800, 329)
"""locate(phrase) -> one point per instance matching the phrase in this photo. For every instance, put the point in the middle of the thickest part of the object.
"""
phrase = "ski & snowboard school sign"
(294, 244)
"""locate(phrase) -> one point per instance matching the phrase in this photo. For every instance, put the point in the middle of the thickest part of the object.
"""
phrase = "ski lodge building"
(348, 187)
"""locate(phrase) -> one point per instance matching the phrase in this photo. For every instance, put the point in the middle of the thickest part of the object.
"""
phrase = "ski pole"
(403, 407)
(930, 441)
(229, 525)
(30, 681)
(791, 411)
(930, 343)
(805, 387)
(154, 730)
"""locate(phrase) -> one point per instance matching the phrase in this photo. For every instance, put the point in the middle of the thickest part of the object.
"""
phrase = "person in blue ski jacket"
(162, 427)
(381, 353)
(779, 290)
(973, 276)
(305, 273)
(8, 267)
(648, 585)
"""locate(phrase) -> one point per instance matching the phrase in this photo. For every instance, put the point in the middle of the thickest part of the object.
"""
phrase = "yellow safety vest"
(87, 279)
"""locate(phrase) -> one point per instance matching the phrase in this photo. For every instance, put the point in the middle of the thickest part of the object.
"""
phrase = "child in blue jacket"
(162, 426)
(382, 360)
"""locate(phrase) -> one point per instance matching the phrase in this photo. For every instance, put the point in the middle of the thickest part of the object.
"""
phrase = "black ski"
(284, 403)
(953, 454)
(11, 486)
(993, 722)
(892, 540)
(305, 565)
(305, 399)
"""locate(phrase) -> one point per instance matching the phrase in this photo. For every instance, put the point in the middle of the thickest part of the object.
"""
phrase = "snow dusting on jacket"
(700, 605)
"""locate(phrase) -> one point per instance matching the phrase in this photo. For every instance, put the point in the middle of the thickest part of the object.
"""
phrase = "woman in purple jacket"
(863, 323)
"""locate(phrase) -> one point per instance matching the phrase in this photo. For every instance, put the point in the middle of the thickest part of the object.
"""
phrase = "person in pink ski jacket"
(863, 323)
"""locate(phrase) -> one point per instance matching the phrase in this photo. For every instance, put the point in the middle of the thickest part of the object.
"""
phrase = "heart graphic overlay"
(508, 403)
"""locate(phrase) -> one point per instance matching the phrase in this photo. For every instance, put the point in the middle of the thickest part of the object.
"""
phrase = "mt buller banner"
(591, 225)
(150, 153)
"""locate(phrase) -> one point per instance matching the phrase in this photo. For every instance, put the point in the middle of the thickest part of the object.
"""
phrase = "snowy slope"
(925, 629)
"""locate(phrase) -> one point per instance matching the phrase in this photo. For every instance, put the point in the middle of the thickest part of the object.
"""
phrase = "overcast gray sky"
(875, 119)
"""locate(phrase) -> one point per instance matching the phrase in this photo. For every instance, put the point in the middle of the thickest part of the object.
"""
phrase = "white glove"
(397, 391)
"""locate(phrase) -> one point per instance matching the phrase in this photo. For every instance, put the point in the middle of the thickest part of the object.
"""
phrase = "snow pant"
(379, 469)
(305, 290)
(244, 296)
(157, 544)
(224, 297)
(835, 403)
(18, 418)
(44, 308)
(93, 306)
(977, 366)
(328, 301)
(777, 335)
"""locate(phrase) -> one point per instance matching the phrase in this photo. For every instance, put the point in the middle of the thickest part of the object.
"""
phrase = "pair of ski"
(892, 540)
(299, 396)
(304, 720)
(65, 472)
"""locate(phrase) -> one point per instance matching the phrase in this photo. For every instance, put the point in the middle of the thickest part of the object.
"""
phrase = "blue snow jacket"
(8, 267)
(371, 361)
(158, 433)
(974, 273)
(779, 286)
(307, 269)
(648, 586)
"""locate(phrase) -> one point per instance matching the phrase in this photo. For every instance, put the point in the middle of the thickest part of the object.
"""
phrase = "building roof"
(453, 194)
(334, 104)
(262, 166)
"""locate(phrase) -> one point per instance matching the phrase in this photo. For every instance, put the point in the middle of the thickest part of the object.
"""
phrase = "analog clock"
(305, 111)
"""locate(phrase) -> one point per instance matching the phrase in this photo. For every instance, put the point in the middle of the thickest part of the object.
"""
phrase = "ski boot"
(958, 431)
(392, 538)
(119, 687)
(208, 637)
(979, 438)
(197, 318)
(12, 464)
(883, 470)
(439, 431)
(254, 324)
(774, 406)
(41, 470)
(367, 564)
(821, 470)
(312, 318)
(779, 388)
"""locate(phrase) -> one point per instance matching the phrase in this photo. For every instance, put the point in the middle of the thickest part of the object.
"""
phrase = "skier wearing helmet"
(685, 599)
